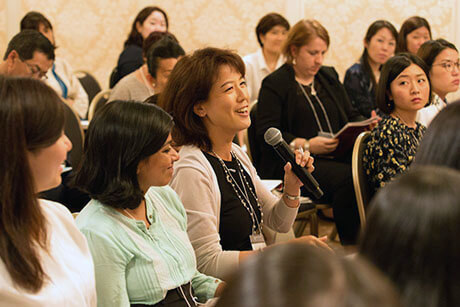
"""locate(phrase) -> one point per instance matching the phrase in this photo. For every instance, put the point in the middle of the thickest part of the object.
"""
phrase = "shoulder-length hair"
(371, 31)
(390, 71)
(411, 24)
(120, 136)
(135, 38)
(301, 34)
(429, 50)
(440, 144)
(190, 83)
(412, 235)
(267, 23)
(31, 118)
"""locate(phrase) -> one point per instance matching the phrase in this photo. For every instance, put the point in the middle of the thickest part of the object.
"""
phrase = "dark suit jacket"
(276, 106)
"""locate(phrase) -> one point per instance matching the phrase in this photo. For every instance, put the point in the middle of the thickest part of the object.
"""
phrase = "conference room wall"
(90, 33)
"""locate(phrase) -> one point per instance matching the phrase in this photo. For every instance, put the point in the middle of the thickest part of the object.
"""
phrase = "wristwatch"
(290, 197)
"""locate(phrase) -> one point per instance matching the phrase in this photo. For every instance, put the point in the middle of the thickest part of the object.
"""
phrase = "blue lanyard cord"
(61, 83)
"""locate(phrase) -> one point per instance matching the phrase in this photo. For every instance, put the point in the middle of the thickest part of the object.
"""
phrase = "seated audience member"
(161, 52)
(413, 33)
(404, 88)
(135, 224)
(271, 32)
(302, 276)
(227, 205)
(61, 76)
(44, 259)
(361, 78)
(412, 232)
(149, 19)
(29, 54)
(442, 60)
(303, 99)
(441, 142)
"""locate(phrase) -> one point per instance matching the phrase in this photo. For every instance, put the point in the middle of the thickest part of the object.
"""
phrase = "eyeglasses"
(449, 65)
(35, 70)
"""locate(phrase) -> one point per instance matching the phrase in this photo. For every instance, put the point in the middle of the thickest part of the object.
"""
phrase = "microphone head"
(273, 136)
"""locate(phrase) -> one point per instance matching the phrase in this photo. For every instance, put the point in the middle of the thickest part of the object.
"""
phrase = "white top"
(426, 115)
(68, 265)
(75, 90)
(256, 71)
(196, 184)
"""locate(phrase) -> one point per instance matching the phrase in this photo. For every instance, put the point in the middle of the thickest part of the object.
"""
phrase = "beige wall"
(90, 33)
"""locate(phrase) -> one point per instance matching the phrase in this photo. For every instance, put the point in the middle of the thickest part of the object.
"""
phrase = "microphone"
(273, 137)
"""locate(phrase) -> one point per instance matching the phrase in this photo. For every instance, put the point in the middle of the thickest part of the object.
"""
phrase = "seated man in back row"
(29, 54)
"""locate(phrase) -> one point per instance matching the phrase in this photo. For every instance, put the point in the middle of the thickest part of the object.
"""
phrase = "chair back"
(254, 144)
(98, 102)
(89, 83)
(74, 132)
(363, 189)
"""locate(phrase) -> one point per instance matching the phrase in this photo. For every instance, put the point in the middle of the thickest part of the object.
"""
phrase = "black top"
(235, 221)
(278, 106)
(390, 150)
(360, 90)
(304, 118)
(130, 59)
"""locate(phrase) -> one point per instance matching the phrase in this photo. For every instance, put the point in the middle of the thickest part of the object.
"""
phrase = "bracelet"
(290, 197)
(306, 146)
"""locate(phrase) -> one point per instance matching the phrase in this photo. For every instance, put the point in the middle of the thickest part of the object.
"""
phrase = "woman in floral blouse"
(404, 88)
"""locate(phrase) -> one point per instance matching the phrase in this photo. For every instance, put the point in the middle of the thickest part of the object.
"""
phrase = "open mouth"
(243, 110)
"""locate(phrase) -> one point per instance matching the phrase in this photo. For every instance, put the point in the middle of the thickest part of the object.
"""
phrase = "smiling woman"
(404, 88)
(227, 205)
(135, 224)
(42, 253)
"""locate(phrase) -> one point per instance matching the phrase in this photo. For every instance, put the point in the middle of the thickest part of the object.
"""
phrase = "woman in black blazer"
(303, 99)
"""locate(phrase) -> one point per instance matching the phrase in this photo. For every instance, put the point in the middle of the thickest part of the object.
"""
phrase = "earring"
(390, 104)
(294, 62)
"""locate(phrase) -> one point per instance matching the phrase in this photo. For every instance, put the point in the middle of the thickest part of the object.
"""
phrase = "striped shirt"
(138, 265)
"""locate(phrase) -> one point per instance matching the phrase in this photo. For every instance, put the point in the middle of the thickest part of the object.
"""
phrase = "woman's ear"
(389, 95)
(138, 26)
(199, 109)
(366, 43)
(293, 50)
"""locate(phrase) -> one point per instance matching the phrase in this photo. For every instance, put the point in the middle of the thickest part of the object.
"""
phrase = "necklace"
(146, 83)
(416, 139)
(242, 192)
(313, 92)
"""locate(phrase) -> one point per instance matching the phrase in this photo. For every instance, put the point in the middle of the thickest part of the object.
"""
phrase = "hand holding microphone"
(273, 137)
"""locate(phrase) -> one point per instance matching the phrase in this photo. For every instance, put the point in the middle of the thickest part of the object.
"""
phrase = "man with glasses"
(29, 54)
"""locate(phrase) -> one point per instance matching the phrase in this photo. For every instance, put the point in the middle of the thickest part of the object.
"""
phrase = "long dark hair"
(135, 38)
(31, 118)
(390, 71)
(441, 142)
(412, 235)
(120, 136)
(371, 31)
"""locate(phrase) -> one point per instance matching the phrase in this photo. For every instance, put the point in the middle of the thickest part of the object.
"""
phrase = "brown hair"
(31, 118)
(268, 22)
(301, 34)
(189, 84)
(411, 24)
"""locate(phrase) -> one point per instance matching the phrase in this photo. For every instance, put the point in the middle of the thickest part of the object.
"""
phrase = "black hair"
(165, 48)
(268, 22)
(411, 24)
(32, 21)
(429, 50)
(412, 235)
(305, 276)
(390, 71)
(121, 134)
(135, 38)
(371, 31)
(440, 144)
(26, 42)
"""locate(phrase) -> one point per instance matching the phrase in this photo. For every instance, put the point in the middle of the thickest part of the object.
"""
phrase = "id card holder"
(257, 240)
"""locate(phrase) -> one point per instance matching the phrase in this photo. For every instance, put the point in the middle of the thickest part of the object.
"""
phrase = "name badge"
(257, 241)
